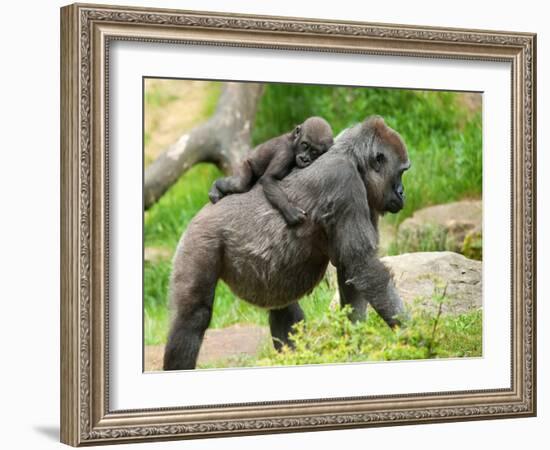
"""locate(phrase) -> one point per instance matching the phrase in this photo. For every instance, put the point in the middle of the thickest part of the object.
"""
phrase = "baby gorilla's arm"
(278, 168)
(240, 182)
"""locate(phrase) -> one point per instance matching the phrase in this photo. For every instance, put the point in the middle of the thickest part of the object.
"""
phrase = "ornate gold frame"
(86, 31)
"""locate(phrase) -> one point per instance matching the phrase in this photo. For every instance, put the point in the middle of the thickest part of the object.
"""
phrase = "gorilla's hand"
(214, 194)
(294, 216)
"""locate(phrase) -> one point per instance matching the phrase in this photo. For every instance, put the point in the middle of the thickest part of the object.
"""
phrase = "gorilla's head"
(311, 139)
(384, 161)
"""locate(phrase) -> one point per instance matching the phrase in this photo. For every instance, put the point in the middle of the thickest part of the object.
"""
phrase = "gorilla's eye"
(380, 158)
(305, 145)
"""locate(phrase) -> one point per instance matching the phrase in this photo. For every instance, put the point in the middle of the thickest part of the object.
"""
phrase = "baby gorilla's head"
(311, 140)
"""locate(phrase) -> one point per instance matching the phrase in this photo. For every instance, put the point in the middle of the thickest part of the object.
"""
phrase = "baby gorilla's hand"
(215, 195)
(295, 216)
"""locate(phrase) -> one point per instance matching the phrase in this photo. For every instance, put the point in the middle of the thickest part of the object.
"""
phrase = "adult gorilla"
(244, 241)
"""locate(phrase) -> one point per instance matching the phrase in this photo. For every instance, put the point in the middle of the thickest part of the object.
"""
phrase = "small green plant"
(333, 338)
(438, 299)
(472, 247)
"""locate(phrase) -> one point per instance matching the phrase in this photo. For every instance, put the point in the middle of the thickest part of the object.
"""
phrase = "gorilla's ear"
(297, 131)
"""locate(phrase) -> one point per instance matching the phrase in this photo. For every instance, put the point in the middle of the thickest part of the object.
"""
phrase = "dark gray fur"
(245, 242)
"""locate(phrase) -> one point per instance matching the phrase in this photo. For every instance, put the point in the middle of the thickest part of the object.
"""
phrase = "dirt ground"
(219, 345)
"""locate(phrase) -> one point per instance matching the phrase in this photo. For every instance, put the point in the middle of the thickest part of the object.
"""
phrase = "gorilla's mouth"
(302, 162)
(395, 205)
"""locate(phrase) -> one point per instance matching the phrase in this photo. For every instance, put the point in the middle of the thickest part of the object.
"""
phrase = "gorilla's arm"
(278, 168)
(353, 242)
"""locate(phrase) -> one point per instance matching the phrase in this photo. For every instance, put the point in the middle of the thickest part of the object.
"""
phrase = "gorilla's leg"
(193, 294)
(349, 295)
(241, 181)
(281, 322)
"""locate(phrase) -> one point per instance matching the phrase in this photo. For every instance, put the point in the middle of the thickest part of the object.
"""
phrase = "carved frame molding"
(86, 32)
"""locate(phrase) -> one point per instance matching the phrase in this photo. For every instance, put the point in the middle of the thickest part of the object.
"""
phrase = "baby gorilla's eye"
(305, 145)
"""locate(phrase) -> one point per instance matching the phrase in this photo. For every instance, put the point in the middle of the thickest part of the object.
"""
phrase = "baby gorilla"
(273, 160)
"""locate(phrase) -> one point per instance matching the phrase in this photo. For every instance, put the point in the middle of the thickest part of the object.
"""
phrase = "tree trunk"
(222, 140)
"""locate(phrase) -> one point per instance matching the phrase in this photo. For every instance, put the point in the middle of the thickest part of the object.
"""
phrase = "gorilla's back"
(264, 261)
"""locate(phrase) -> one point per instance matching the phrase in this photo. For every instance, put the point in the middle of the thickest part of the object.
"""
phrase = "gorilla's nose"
(400, 191)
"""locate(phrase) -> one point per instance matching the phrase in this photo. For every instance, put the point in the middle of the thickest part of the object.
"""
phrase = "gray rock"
(419, 277)
(441, 227)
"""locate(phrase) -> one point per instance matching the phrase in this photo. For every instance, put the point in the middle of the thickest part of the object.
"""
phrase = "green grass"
(332, 338)
(444, 141)
(427, 239)
(155, 306)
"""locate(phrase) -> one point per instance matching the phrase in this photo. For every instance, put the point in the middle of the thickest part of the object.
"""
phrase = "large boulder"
(453, 226)
(421, 277)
